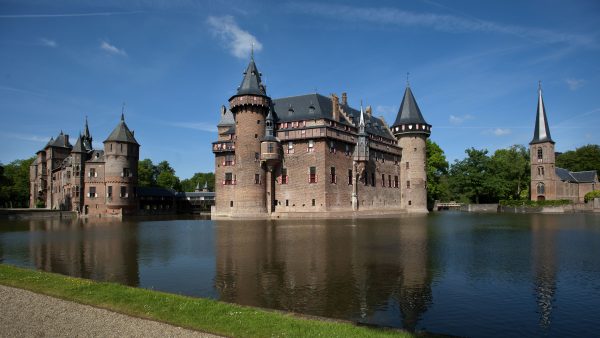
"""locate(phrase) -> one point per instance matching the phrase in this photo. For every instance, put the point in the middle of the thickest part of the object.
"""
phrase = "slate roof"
(576, 176)
(542, 131)
(409, 111)
(60, 141)
(226, 118)
(96, 156)
(316, 106)
(78, 148)
(121, 133)
(251, 83)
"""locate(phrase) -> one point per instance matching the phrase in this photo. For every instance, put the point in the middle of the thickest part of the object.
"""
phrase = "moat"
(453, 273)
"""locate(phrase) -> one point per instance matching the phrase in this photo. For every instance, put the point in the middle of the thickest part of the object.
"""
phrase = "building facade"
(549, 182)
(87, 180)
(315, 153)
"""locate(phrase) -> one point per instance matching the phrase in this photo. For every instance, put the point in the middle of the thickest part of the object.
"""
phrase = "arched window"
(541, 171)
(540, 188)
(540, 154)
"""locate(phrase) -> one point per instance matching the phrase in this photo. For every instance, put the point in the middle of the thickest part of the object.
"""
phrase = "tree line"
(478, 178)
(482, 177)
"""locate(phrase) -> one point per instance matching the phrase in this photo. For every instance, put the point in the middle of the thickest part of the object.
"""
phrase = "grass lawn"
(195, 313)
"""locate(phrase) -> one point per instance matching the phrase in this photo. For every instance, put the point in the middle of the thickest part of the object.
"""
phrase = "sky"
(473, 67)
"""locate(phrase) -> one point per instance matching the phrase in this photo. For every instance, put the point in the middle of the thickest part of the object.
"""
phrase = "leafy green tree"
(437, 169)
(167, 179)
(14, 188)
(510, 172)
(580, 159)
(470, 178)
(147, 173)
(189, 184)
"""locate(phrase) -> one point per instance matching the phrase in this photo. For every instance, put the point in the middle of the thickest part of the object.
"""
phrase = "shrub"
(591, 195)
(528, 203)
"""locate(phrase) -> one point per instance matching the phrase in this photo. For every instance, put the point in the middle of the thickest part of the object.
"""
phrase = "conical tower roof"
(79, 148)
(251, 83)
(409, 112)
(121, 133)
(542, 131)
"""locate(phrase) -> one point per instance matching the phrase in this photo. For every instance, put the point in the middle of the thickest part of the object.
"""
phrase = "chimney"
(335, 107)
(66, 139)
(344, 99)
(369, 111)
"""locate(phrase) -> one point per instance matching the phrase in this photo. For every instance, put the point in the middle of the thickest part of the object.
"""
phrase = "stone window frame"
(312, 175)
(350, 177)
(333, 176)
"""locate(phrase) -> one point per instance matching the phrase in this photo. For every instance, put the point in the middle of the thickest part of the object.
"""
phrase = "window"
(290, 147)
(92, 173)
(68, 174)
(257, 121)
(407, 165)
(312, 175)
(229, 160)
(332, 147)
(231, 204)
(126, 172)
(383, 180)
(373, 183)
(284, 176)
(311, 146)
(92, 192)
(333, 176)
(408, 184)
(395, 181)
(347, 150)
(287, 203)
(270, 148)
(76, 172)
(123, 193)
(541, 189)
(349, 176)
(313, 202)
(540, 154)
(256, 157)
(256, 178)
(366, 178)
(389, 181)
(76, 191)
(396, 160)
(541, 171)
(228, 179)
(109, 191)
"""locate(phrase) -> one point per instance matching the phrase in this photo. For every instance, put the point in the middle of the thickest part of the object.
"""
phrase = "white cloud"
(236, 39)
(501, 131)
(112, 49)
(202, 126)
(48, 43)
(441, 22)
(456, 120)
(574, 84)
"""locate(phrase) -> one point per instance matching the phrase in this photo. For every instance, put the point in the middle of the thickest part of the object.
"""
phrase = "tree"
(470, 177)
(437, 169)
(14, 187)
(510, 173)
(581, 159)
(189, 184)
(147, 173)
(167, 179)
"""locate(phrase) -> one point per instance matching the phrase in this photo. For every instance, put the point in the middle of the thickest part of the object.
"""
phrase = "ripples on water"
(454, 273)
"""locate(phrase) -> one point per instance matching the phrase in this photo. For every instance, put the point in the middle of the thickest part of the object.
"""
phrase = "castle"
(312, 153)
(549, 182)
(80, 178)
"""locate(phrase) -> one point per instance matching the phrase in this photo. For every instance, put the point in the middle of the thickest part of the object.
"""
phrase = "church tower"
(542, 158)
(250, 106)
(412, 132)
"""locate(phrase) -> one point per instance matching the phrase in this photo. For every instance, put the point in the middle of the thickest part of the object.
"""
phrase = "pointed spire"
(542, 131)
(407, 82)
(123, 112)
(251, 83)
(79, 147)
(86, 129)
(409, 112)
(361, 122)
(197, 186)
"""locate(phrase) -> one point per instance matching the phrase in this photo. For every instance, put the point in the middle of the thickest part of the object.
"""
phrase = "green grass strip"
(195, 313)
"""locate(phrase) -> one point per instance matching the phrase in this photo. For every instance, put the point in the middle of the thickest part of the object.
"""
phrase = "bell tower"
(542, 158)
(250, 106)
(412, 132)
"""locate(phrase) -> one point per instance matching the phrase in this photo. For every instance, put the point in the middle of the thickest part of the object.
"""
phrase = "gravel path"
(27, 314)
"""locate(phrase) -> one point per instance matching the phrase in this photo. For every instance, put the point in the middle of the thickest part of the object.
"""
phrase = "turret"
(412, 132)
(270, 157)
(121, 154)
(78, 155)
(250, 106)
(361, 157)
(542, 158)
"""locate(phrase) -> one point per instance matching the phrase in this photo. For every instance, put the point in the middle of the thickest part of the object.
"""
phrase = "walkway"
(27, 314)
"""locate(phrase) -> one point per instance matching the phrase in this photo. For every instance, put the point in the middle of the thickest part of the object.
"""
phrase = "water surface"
(454, 273)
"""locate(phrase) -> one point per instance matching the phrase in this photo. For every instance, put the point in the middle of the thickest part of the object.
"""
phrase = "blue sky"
(474, 68)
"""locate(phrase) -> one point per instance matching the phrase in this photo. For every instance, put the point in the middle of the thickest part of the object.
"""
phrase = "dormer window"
(290, 112)
(311, 110)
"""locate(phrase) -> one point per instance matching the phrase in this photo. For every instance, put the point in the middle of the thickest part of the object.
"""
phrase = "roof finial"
(123, 112)
(252, 51)
(407, 82)
(540, 85)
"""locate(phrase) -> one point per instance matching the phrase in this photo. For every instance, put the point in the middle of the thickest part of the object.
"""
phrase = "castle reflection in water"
(367, 271)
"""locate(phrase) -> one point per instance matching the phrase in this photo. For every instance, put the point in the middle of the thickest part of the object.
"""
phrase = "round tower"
(121, 154)
(412, 132)
(249, 106)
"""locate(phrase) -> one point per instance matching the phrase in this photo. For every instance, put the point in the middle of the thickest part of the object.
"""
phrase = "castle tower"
(361, 157)
(249, 106)
(412, 132)
(270, 157)
(78, 154)
(121, 155)
(542, 158)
